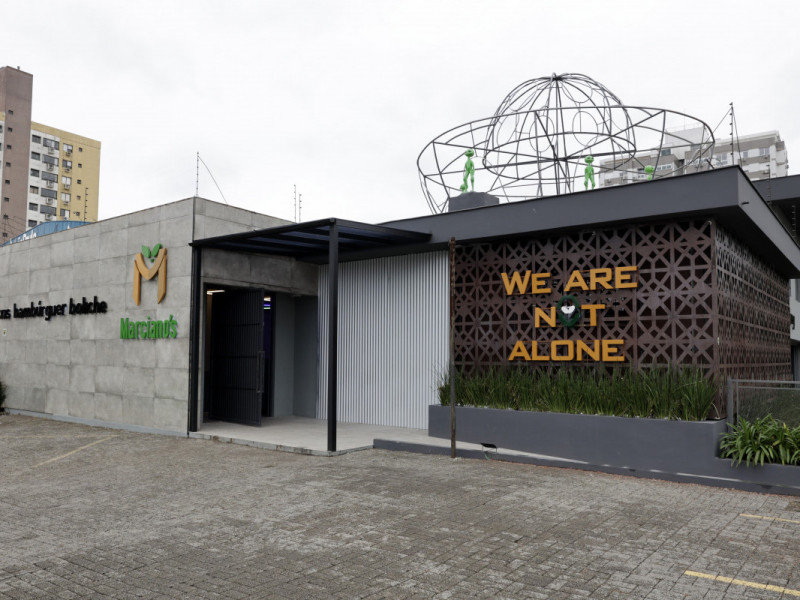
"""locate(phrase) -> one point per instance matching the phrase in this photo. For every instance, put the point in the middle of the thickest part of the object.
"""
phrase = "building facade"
(191, 312)
(760, 155)
(77, 357)
(48, 174)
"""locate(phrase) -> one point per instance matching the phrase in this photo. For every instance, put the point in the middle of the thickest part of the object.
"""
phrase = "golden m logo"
(140, 269)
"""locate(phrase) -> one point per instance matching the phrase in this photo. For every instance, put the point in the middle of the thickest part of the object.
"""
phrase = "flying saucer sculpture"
(537, 141)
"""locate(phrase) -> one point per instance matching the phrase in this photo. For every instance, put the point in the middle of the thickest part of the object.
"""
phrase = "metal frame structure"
(536, 142)
(324, 241)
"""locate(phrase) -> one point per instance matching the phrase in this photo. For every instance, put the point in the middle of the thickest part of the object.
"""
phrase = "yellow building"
(74, 178)
(48, 174)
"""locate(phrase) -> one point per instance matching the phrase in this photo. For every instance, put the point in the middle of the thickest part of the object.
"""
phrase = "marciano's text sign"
(568, 312)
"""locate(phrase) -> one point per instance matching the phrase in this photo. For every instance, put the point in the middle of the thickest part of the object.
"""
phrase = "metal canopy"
(320, 242)
(310, 241)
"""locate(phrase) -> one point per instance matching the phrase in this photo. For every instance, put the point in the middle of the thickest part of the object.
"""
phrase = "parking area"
(91, 512)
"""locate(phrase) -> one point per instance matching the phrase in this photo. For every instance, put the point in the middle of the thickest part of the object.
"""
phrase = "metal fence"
(753, 399)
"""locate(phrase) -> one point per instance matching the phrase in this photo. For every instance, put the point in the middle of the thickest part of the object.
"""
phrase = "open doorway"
(239, 355)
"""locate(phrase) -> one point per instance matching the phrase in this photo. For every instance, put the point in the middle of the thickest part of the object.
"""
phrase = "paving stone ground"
(145, 516)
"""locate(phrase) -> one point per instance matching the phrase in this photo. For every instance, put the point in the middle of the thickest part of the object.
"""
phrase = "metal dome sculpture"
(537, 142)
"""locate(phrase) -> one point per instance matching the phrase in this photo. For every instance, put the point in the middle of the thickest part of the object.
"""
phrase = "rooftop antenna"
(200, 160)
(197, 176)
(298, 205)
(734, 127)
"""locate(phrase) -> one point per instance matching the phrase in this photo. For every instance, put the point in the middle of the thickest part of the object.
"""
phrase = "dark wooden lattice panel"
(667, 319)
(754, 318)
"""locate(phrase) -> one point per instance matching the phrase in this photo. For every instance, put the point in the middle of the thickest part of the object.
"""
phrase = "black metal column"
(194, 338)
(333, 329)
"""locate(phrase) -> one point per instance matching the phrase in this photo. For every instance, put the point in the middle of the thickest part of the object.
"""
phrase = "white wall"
(393, 339)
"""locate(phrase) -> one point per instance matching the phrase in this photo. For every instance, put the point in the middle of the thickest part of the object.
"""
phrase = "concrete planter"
(648, 444)
(685, 451)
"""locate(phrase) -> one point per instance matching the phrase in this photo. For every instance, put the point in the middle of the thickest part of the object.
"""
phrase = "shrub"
(658, 392)
(764, 440)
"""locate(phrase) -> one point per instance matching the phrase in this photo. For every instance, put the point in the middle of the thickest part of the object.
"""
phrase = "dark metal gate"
(237, 356)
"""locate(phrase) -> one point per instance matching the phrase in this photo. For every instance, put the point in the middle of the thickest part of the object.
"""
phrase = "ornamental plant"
(655, 392)
(764, 440)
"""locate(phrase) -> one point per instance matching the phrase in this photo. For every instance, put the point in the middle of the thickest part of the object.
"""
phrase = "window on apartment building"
(5, 235)
(50, 160)
(80, 166)
(65, 213)
(67, 164)
(47, 210)
(36, 139)
(50, 143)
(49, 176)
(79, 181)
(32, 223)
(66, 180)
(763, 151)
(744, 154)
(36, 156)
(33, 206)
(68, 148)
(8, 146)
(10, 129)
(1, 128)
(65, 197)
(8, 164)
(8, 182)
(7, 199)
(11, 112)
(34, 189)
(34, 172)
(48, 193)
(80, 149)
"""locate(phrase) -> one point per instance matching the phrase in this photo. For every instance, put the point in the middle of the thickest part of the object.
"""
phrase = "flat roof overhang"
(310, 242)
(726, 195)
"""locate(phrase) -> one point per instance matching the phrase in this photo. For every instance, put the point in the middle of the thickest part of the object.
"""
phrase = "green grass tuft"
(656, 392)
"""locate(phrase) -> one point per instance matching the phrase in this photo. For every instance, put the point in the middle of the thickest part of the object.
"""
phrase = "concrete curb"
(708, 480)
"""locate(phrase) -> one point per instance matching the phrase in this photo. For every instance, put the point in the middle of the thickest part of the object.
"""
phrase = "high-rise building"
(761, 156)
(48, 174)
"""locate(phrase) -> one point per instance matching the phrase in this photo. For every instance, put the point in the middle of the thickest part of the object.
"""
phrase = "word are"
(569, 350)
(618, 278)
(148, 330)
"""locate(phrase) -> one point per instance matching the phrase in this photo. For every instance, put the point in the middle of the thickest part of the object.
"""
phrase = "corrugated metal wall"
(393, 320)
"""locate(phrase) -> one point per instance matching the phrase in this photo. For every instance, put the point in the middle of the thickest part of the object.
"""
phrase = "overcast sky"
(340, 97)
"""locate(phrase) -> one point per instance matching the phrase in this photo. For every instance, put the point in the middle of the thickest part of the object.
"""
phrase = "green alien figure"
(469, 170)
(588, 172)
(649, 170)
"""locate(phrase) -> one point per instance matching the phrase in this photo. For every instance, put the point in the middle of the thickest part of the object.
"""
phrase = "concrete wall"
(76, 366)
(283, 353)
(291, 282)
(306, 358)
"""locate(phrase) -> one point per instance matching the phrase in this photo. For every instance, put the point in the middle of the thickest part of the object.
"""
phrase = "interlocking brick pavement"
(146, 516)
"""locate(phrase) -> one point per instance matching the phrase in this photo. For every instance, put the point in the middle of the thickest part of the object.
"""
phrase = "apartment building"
(760, 155)
(48, 174)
